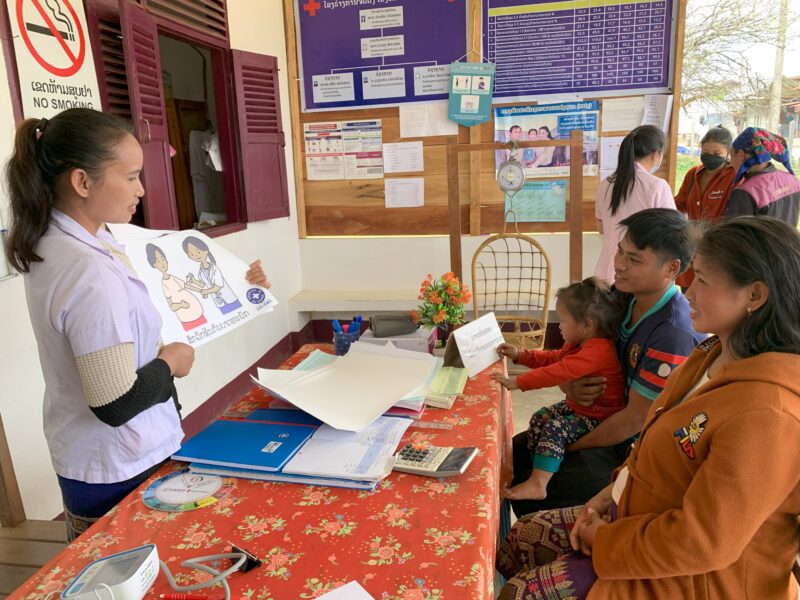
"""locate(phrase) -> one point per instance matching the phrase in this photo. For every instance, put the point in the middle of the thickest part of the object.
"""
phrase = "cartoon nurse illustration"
(186, 306)
(210, 281)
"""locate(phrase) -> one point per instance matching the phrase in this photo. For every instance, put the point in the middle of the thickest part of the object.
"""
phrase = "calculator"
(433, 461)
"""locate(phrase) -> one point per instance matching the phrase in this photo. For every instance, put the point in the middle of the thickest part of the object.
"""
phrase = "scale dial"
(510, 175)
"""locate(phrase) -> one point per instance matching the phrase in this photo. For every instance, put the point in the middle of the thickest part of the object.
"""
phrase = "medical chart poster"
(377, 52)
(324, 151)
(344, 150)
(538, 202)
(197, 286)
(470, 100)
(546, 47)
(548, 122)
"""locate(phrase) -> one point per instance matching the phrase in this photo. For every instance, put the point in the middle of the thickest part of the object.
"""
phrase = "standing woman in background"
(705, 189)
(110, 407)
(632, 187)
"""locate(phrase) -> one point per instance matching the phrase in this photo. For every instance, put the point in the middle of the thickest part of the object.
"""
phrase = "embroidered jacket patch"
(633, 355)
(688, 436)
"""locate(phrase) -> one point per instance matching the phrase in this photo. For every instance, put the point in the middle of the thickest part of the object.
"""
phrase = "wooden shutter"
(261, 139)
(109, 59)
(207, 16)
(143, 67)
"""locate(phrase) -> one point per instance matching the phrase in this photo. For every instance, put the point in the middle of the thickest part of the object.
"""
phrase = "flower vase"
(444, 330)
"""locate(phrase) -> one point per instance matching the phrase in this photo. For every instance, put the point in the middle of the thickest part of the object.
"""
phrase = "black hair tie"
(40, 127)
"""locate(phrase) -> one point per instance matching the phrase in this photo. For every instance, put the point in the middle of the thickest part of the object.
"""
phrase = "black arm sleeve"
(153, 385)
(740, 203)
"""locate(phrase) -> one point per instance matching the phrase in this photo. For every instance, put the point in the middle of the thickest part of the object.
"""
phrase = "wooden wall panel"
(371, 220)
(356, 206)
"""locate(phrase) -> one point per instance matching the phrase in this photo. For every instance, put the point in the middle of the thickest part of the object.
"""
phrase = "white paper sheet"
(477, 343)
(657, 111)
(426, 119)
(364, 455)
(403, 157)
(349, 591)
(355, 390)
(408, 192)
(127, 232)
(609, 154)
(622, 114)
(383, 431)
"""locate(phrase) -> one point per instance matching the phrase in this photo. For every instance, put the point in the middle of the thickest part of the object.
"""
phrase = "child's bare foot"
(527, 490)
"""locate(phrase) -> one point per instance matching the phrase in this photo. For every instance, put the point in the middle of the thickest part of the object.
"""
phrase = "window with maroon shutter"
(261, 136)
(129, 74)
(207, 16)
(143, 67)
(109, 59)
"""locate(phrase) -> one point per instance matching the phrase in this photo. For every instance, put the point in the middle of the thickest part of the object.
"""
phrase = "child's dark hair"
(750, 249)
(592, 299)
(664, 231)
(639, 143)
(45, 151)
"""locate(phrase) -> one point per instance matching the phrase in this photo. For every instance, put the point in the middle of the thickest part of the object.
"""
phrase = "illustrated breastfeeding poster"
(548, 122)
(198, 287)
(377, 52)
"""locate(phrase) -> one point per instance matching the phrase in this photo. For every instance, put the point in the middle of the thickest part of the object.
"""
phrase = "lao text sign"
(54, 57)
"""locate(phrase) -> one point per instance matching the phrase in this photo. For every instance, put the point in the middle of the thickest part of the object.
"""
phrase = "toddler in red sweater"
(589, 319)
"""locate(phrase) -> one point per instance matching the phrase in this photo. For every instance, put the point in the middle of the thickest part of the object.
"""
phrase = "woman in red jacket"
(706, 504)
(705, 189)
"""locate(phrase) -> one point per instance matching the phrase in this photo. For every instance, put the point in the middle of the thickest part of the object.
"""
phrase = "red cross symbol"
(311, 7)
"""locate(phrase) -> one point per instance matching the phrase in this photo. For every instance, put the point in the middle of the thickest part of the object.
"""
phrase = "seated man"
(656, 336)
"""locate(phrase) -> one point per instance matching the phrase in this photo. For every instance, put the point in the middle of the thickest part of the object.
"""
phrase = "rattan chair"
(511, 277)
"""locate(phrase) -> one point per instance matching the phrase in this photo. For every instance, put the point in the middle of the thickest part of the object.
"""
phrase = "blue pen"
(336, 327)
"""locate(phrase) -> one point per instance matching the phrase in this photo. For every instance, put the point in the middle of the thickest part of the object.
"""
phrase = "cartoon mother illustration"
(181, 301)
(209, 280)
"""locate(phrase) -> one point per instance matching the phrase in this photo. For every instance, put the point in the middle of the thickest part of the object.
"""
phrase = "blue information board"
(377, 52)
(579, 47)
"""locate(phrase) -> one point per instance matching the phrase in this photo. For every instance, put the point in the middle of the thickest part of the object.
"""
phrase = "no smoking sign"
(52, 33)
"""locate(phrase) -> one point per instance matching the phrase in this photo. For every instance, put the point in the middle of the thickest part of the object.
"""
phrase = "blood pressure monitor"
(127, 574)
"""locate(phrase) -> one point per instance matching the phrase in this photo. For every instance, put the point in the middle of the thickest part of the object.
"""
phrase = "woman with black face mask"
(706, 187)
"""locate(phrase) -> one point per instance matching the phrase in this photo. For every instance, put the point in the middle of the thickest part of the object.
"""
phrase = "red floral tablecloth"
(411, 538)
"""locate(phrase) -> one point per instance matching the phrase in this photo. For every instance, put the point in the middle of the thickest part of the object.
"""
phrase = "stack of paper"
(352, 391)
(411, 407)
(330, 458)
(446, 386)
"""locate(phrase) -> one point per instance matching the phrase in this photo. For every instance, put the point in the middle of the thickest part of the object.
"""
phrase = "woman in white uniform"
(110, 407)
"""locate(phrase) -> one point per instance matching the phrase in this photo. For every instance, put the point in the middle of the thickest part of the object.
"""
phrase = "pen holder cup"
(342, 341)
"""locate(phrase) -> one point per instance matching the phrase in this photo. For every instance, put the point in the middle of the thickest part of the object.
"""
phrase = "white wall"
(254, 26)
(402, 262)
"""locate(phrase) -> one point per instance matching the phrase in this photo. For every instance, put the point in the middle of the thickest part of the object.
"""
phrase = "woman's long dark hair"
(45, 151)
(750, 249)
(638, 144)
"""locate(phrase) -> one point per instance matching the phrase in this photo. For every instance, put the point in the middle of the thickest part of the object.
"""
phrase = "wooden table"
(411, 538)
